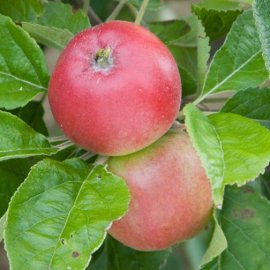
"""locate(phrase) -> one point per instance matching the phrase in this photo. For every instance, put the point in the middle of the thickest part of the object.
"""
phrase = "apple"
(170, 194)
(115, 89)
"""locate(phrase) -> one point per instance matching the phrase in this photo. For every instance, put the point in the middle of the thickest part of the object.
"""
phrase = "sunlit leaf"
(233, 149)
(23, 71)
(261, 11)
(60, 214)
(239, 63)
(60, 15)
(17, 139)
(48, 35)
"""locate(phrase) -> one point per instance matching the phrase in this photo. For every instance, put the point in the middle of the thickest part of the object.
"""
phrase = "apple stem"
(116, 11)
(142, 10)
(101, 160)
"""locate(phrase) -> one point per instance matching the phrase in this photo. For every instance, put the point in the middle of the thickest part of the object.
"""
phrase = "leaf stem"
(208, 98)
(87, 155)
(116, 11)
(198, 100)
(86, 5)
(214, 100)
(141, 12)
(64, 145)
(57, 138)
(132, 9)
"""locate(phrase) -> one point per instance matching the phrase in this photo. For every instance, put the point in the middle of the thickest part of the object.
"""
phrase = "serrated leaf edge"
(260, 35)
(218, 202)
(7, 213)
(18, 190)
(59, 46)
(34, 43)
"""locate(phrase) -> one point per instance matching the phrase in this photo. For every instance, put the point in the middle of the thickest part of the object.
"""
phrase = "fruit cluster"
(116, 91)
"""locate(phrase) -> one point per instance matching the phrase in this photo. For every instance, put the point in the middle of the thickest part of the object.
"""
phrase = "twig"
(117, 10)
(57, 138)
(142, 10)
(132, 9)
(92, 14)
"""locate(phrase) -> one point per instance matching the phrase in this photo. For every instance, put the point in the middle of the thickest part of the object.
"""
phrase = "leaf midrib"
(228, 77)
(23, 81)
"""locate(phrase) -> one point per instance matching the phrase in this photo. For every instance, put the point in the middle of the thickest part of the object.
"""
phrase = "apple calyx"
(103, 59)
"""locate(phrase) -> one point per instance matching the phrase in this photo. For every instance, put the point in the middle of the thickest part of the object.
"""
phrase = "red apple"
(170, 194)
(115, 89)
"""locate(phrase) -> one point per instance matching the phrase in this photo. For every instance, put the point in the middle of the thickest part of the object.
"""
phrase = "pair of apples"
(116, 91)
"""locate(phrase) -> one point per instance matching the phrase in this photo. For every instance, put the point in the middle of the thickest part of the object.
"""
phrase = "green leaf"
(17, 139)
(12, 174)
(117, 256)
(208, 146)
(26, 10)
(127, 13)
(244, 3)
(120, 256)
(103, 8)
(47, 35)
(217, 244)
(23, 71)
(61, 16)
(245, 146)
(265, 183)
(32, 114)
(203, 53)
(252, 103)
(233, 149)
(239, 63)
(186, 58)
(213, 265)
(60, 214)
(245, 222)
(191, 52)
(189, 85)
(217, 16)
(184, 49)
(261, 11)
(2, 226)
(169, 31)
(220, 5)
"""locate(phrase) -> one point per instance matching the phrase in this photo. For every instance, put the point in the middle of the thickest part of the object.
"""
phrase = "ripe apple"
(170, 194)
(115, 89)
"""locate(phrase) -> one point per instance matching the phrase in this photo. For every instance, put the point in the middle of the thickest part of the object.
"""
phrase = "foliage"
(56, 203)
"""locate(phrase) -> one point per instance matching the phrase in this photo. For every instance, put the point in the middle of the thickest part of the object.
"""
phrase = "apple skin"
(123, 107)
(170, 194)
